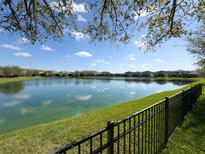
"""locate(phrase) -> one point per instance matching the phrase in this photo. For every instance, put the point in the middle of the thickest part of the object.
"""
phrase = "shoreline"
(16, 79)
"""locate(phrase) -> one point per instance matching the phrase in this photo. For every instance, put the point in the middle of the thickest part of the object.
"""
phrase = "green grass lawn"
(49, 136)
(7, 80)
(190, 137)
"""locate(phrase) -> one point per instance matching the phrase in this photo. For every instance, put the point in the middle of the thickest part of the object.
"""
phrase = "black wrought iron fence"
(146, 131)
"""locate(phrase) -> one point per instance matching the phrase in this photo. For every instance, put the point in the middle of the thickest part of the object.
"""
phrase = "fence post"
(191, 98)
(183, 105)
(166, 131)
(110, 126)
(201, 89)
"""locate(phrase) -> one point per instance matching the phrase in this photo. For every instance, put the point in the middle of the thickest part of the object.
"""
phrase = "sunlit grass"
(7, 80)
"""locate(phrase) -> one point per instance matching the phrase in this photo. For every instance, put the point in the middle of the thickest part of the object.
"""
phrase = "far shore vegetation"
(47, 137)
(8, 80)
(15, 71)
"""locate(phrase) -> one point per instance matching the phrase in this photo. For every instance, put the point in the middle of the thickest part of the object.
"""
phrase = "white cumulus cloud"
(83, 54)
(102, 61)
(58, 6)
(46, 48)
(159, 60)
(77, 35)
(24, 40)
(2, 30)
(141, 42)
(81, 7)
(132, 66)
(81, 18)
(22, 54)
(131, 57)
(18, 51)
(11, 47)
(142, 13)
(61, 7)
(93, 65)
(146, 66)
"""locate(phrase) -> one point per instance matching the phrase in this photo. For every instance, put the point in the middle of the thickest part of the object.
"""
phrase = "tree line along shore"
(15, 71)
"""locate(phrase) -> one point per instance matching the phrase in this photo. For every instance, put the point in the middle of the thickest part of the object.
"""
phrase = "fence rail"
(146, 131)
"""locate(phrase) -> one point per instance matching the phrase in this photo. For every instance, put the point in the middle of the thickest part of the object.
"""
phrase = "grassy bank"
(47, 137)
(8, 80)
(190, 137)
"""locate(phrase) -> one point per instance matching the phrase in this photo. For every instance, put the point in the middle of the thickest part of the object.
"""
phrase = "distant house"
(88, 73)
(160, 74)
(136, 74)
(128, 74)
(50, 73)
(104, 74)
(56, 74)
(192, 74)
(117, 74)
(35, 73)
(43, 74)
(174, 74)
(70, 74)
(77, 74)
(147, 74)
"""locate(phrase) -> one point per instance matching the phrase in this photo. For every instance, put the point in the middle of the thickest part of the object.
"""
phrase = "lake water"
(26, 103)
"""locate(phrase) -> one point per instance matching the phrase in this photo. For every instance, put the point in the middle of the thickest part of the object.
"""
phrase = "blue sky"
(78, 54)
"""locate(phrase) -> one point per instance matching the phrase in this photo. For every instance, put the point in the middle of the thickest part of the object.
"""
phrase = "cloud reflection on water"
(26, 110)
(83, 97)
(12, 103)
(23, 96)
(47, 102)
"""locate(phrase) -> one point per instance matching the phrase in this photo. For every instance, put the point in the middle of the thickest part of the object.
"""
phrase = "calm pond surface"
(26, 103)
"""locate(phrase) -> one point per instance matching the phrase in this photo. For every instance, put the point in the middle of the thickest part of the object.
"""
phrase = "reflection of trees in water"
(142, 80)
(83, 81)
(180, 82)
(105, 80)
(48, 82)
(16, 87)
(12, 88)
(89, 81)
(175, 82)
(160, 82)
